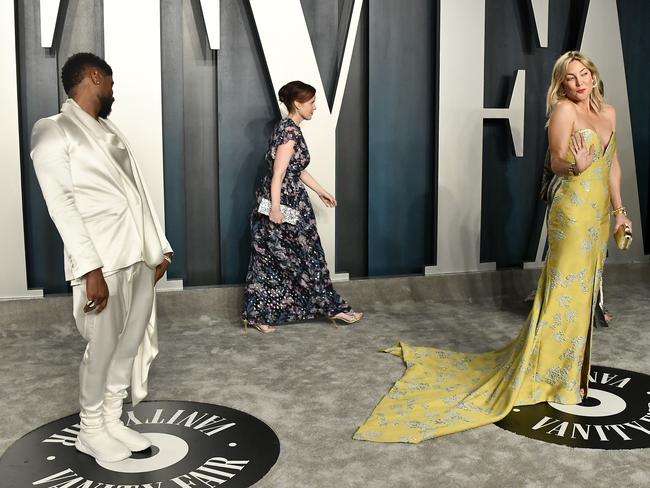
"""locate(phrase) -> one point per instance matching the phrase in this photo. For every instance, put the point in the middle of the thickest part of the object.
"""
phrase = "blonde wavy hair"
(556, 89)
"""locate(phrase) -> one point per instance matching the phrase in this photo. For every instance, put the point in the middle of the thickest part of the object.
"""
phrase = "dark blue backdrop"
(218, 110)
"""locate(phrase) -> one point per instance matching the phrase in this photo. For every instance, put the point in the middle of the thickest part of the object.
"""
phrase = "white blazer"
(105, 218)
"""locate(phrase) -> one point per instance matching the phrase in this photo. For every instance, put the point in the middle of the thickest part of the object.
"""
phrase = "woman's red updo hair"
(295, 91)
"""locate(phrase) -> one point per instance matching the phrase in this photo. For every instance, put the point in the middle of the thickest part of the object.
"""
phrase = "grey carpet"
(314, 384)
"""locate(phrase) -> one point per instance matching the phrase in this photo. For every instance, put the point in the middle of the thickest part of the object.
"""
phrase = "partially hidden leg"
(137, 290)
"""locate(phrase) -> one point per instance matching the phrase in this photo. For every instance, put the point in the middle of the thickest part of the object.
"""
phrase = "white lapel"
(135, 168)
(99, 138)
(137, 177)
(151, 230)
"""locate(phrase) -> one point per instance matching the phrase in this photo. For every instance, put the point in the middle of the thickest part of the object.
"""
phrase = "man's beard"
(106, 107)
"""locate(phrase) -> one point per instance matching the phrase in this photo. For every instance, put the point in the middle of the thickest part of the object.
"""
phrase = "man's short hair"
(75, 67)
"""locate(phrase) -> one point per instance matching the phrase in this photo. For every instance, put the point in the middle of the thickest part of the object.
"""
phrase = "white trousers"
(113, 338)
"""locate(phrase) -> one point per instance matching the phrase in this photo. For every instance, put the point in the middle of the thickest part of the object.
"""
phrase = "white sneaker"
(102, 446)
(130, 438)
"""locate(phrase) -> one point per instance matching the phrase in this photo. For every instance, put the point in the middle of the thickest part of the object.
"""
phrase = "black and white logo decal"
(615, 415)
(193, 445)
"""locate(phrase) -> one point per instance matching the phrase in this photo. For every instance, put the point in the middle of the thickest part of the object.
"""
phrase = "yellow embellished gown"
(443, 392)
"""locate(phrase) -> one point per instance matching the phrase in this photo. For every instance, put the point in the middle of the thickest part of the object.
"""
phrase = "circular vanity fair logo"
(193, 445)
(615, 414)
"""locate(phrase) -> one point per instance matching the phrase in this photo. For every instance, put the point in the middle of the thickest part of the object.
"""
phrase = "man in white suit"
(115, 249)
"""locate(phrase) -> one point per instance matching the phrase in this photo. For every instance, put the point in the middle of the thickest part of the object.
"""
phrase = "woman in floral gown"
(443, 392)
(287, 277)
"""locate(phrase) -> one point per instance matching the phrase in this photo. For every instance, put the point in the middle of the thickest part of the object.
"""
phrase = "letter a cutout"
(320, 132)
(138, 91)
(13, 280)
(601, 41)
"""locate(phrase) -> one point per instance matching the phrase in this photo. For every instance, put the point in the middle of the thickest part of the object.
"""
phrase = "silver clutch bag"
(290, 215)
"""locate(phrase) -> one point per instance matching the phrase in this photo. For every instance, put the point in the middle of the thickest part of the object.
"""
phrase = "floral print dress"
(287, 277)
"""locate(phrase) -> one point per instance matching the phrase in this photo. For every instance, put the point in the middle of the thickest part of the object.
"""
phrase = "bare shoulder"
(565, 108)
(563, 116)
(563, 112)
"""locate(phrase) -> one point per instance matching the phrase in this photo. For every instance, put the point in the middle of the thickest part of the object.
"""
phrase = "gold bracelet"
(619, 210)
(573, 169)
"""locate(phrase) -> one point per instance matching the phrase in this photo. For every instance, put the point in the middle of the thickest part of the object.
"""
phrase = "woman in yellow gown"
(443, 392)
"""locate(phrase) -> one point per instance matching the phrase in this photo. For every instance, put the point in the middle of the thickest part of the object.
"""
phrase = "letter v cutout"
(292, 58)
(13, 280)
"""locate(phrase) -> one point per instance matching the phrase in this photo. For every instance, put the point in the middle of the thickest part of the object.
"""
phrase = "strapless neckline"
(609, 143)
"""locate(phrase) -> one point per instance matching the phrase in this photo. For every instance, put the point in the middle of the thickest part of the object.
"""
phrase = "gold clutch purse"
(623, 237)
